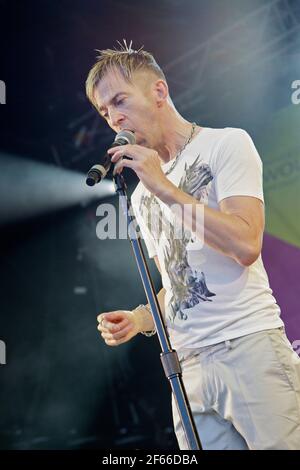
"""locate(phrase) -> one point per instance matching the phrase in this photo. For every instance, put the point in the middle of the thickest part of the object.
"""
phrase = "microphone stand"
(168, 356)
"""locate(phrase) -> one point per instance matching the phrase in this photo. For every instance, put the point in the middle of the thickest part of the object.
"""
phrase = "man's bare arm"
(236, 230)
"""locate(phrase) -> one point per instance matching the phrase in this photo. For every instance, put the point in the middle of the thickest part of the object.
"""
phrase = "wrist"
(143, 319)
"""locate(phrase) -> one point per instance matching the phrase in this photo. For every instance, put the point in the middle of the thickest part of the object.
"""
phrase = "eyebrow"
(113, 99)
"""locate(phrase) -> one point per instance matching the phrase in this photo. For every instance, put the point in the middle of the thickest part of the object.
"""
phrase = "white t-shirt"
(209, 296)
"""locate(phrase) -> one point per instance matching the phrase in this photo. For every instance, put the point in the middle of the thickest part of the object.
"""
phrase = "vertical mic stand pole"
(168, 356)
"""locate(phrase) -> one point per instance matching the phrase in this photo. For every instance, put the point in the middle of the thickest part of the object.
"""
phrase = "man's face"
(129, 106)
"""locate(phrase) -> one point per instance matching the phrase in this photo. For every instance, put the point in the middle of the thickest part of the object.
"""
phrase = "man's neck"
(174, 137)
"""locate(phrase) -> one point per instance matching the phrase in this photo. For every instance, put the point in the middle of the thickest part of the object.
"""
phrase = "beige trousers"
(244, 393)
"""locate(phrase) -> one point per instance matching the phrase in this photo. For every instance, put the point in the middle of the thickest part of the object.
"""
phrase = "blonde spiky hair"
(126, 60)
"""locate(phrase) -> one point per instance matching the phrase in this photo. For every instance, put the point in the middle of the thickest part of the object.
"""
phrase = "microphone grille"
(127, 135)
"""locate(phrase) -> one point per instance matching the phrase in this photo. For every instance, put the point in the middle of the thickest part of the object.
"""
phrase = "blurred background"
(229, 63)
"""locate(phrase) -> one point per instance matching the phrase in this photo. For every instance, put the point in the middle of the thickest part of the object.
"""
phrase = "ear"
(161, 92)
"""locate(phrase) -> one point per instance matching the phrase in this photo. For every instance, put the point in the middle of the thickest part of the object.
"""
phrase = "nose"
(116, 118)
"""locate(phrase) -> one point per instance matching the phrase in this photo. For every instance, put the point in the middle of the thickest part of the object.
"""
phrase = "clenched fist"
(119, 326)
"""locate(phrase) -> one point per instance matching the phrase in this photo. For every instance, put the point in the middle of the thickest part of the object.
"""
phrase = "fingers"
(136, 157)
(114, 327)
(115, 338)
(118, 155)
(124, 162)
(115, 342)
(132, 151)
(111, 316)
(136, 152)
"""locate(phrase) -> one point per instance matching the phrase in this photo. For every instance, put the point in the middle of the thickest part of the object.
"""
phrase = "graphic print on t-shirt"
(188, 285)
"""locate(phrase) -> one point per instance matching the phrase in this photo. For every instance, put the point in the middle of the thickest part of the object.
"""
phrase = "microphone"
(99, 171)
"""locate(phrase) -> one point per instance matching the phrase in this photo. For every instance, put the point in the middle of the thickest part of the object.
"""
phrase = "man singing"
(240, 372)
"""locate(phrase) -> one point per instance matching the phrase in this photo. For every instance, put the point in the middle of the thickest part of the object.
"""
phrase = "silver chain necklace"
(182, 149)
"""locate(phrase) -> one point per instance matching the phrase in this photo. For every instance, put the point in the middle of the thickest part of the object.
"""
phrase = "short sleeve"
(145, 232)
(238, 167)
